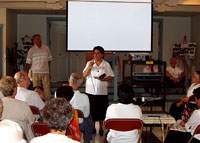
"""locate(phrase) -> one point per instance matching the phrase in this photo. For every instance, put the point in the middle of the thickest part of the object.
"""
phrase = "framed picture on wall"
(184, 49)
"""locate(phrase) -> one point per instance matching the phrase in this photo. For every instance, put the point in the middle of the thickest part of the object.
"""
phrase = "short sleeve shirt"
(93, 84)
(123, 111)
(30, 97)
(175, 72)
(39, 58)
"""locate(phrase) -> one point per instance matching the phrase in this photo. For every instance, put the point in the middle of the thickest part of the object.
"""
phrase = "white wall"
(32, 24)
(3, 22)
(174, 29)
(195, 37)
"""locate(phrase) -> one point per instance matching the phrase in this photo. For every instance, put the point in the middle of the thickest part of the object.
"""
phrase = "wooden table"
(168, 120)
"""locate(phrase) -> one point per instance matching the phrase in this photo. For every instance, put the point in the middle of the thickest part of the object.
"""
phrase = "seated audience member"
(183, 137)
(175, 77)
(57, 113)
(124, 109)
(11, 132)
(81, 101)
(67, 93)
(13, 109)
(23, 94)
(177, 108)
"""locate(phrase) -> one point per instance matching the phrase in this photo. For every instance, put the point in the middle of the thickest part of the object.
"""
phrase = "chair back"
(80, 114)
(123, 124)
(40, 129)
(36, 111)
(197, 131)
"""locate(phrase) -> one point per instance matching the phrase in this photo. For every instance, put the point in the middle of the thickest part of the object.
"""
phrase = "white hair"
(76, 78)
(11, 132)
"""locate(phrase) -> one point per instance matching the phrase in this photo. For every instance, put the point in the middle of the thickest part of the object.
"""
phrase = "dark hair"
(196, 93)
(58, 113)
(99, 48)
(65, 92)
(125, 94)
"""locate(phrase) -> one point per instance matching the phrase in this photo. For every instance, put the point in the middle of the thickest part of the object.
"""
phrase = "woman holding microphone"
(97, 73)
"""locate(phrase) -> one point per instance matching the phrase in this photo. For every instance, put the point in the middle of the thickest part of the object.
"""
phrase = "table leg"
(163, 133)
(166, 131)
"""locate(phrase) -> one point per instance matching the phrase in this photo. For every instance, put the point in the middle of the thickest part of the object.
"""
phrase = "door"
(59, 67)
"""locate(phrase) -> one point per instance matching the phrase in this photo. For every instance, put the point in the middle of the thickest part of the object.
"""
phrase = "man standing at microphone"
(38, 59)
(97, 73)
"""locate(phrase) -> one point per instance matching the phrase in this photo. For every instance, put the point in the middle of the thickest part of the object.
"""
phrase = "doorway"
(56, 39)
(1, 50)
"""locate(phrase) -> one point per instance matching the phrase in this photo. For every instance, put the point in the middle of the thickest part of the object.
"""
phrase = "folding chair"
(123, 124)
(40, 129)
(197, 131)
(36, 111)
(81, 115)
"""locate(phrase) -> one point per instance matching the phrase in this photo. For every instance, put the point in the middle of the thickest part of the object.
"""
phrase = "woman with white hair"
(11, 132)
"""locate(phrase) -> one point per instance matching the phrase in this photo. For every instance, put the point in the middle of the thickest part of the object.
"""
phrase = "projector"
(139, 56)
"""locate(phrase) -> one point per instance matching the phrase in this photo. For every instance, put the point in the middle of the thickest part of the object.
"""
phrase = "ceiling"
(185, 8)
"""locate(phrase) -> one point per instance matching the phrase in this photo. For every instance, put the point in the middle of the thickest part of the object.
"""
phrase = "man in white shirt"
(23, 94)
(124, 109)
(175, 77)
(38, 59)
(81, 101)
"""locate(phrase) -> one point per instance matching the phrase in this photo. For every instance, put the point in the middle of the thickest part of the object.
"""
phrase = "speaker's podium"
(134, 75)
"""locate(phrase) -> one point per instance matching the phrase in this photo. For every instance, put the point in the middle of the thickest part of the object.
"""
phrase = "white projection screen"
(116, 26)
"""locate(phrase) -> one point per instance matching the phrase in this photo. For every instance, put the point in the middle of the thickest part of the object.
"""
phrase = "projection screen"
(116, 26)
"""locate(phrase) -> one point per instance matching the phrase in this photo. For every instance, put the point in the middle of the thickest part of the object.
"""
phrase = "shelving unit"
(150, 80)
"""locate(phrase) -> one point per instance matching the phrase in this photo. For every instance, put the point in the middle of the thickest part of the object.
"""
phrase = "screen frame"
(151, 48)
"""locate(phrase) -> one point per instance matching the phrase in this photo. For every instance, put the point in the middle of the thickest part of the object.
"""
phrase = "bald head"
(22, 79)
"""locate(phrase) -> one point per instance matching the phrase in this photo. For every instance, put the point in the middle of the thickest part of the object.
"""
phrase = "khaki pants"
(42, 79)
